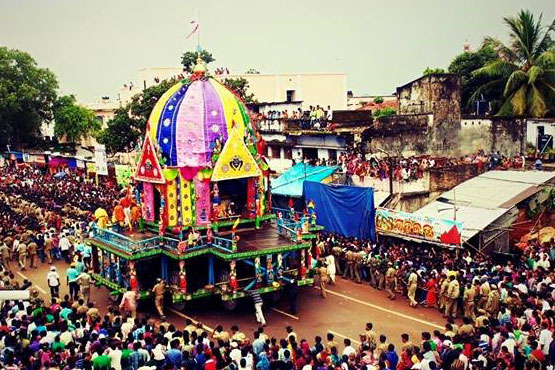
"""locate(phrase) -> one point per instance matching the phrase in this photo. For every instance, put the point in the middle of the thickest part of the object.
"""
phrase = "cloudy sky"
(94, 46)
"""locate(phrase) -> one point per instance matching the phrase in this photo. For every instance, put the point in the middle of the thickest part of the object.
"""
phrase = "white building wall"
(532, 125)
(311, 88)
(323, 154)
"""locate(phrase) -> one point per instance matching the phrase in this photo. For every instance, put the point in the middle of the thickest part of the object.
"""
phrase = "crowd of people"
(361, 165)
(506, 309)
(498, 316)
(315, 118)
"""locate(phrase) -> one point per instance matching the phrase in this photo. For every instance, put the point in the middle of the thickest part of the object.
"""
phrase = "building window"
(290, 96)
(288, 152)
(332, 154)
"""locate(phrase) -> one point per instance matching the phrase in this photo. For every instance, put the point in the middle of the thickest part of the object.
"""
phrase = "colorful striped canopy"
(190, 116)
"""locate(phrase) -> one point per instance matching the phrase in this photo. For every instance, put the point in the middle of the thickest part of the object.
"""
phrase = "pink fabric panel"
(191, 150)
(202, 192)
(148, 210)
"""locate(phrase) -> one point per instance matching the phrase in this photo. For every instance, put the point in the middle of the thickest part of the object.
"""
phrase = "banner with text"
(421, 227)
(100, 160)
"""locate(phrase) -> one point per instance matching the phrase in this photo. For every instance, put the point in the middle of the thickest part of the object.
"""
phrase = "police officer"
(443, 292)
(32, 250)
(453, 292)
(468, 301)
(5, 256)
(159, 290)
(412, 284)
(350, 261)
(84, 280)
(323, 277)
(358, 265)
(373, 270)
(390, 281)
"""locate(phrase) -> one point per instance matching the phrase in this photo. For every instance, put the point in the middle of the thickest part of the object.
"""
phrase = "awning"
(290, 183)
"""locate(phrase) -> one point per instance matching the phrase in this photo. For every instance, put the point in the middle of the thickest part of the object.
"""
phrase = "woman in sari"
(431, 287)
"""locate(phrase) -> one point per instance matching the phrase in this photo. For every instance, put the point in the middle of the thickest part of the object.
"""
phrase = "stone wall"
(446, 178)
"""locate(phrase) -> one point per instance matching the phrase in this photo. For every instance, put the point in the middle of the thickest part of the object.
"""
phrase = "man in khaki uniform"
(22, 251)
(443, 293)
(390, 281)
(468, 301)
(32, 251)
(158, 291)
(84, 281)
(350, 262)
(371, 336)
(412, 284)
(453, 292)
(5, 256)
(485, 288)
(357, 265)
(48, 248)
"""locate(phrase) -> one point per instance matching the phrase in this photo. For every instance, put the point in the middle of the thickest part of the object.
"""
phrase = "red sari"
(431, 297)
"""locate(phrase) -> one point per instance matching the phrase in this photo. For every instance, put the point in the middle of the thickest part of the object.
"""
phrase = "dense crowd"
(362, 165)
(315, 118)
(506, 309)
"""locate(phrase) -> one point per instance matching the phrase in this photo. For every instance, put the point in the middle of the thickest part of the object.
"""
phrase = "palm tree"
(526, 68)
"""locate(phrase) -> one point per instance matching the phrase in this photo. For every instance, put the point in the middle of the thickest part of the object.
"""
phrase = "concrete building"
(309, 88)
(429, 121)
(540, 133)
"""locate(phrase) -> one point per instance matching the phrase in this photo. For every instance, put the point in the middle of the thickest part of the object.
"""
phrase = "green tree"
(27, 94)
(429, 71)
(240, 86)
(378, 100)
(129, 123)
(384, 112)
(189, 59)
(73, 122)
(525, 67)
(122, 132)
(466, 63)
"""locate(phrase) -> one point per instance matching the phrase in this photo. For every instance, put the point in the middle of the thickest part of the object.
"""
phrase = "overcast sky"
(94, 46)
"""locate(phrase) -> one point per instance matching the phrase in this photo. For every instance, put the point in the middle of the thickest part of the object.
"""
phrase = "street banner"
(100, 160)
(435, 230)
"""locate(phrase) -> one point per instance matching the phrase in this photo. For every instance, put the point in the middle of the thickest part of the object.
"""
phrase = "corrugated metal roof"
(496, 189)
(485, 198)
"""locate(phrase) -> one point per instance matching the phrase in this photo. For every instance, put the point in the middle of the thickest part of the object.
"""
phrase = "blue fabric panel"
(347, 210)
(290, 183)
(167, 127)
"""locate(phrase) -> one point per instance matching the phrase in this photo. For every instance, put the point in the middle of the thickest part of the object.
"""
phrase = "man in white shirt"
(546, 336)
(53, 280)
(64, 245)
(115, 356)
(348, 350)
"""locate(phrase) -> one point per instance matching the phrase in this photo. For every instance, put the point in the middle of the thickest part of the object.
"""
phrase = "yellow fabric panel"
(171, 192)
(231, 108)
(157, 111)
(235, 161)
(186, 205)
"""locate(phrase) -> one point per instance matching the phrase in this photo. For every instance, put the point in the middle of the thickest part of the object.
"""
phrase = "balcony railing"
(291, 124)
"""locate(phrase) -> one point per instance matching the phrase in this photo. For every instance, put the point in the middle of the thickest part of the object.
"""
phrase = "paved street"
(344, 312)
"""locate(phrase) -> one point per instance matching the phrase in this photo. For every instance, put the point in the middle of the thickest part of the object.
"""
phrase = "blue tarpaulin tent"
(290, 183)
(347, 210)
